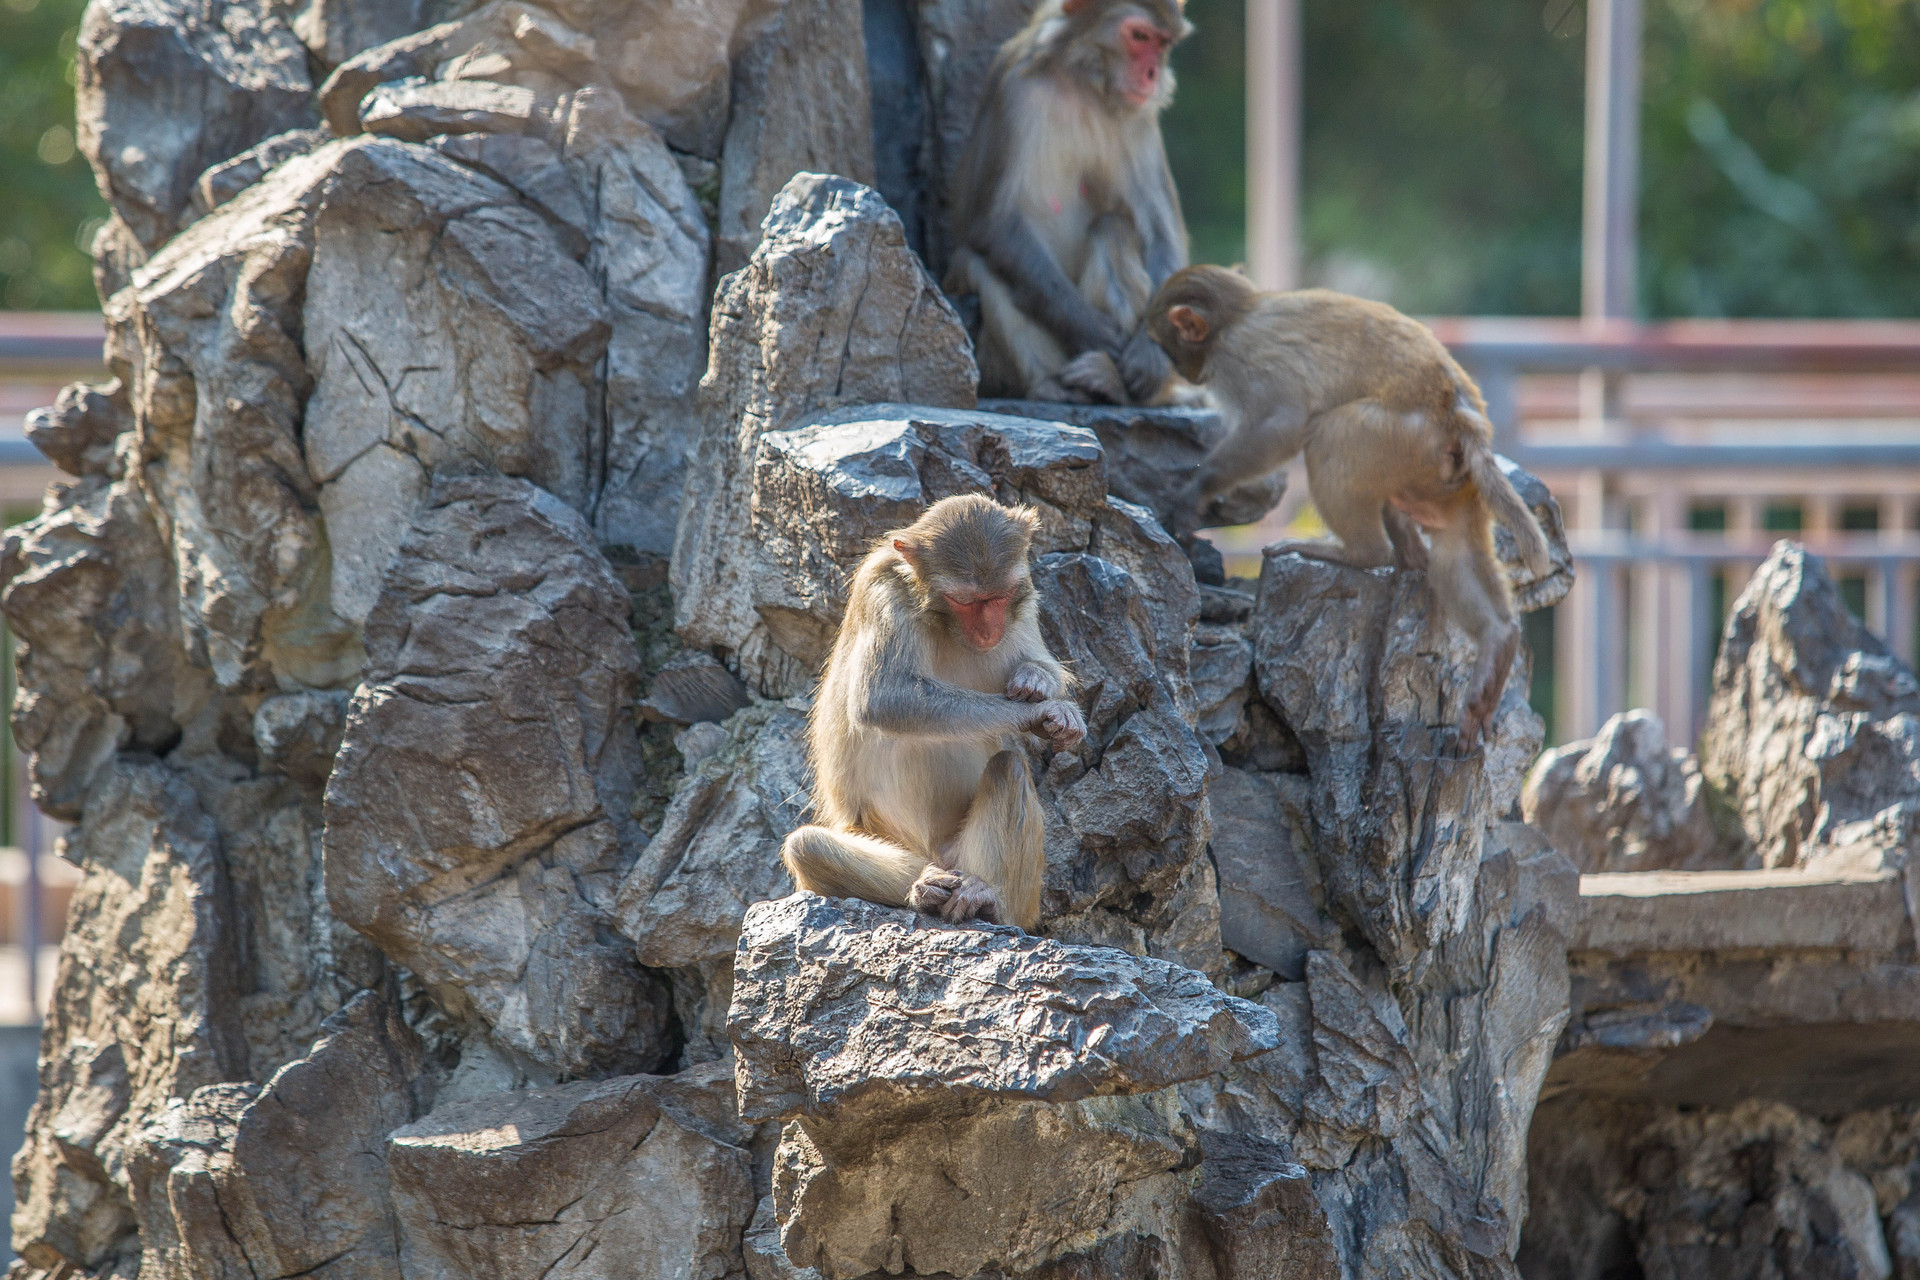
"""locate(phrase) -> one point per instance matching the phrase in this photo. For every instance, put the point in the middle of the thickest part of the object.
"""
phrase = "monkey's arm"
(900, 699)
(1041, 287)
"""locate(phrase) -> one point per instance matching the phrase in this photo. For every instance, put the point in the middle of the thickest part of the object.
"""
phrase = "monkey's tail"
(1498, 493)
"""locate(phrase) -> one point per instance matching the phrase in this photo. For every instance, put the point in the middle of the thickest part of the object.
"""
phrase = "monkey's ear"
(1071, 7)
(1190, 324)
(907, 551)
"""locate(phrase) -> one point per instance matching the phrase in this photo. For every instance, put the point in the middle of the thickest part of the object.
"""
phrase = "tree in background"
(49, 208)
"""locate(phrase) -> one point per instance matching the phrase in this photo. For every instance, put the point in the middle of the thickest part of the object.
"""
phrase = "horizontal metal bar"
(1676, 553)
(39, 349)
(1659, 455)
(21, 453)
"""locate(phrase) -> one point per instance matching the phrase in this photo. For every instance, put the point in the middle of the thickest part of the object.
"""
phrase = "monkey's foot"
(1092, 375)
(973, 900)
(934, 889)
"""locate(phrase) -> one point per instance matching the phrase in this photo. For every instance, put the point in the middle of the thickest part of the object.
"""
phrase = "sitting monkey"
(924, 796)
(1395, 434)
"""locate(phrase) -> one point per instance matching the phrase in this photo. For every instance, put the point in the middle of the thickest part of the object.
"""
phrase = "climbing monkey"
(923, 793)
(1395, 434)
(1065, 213)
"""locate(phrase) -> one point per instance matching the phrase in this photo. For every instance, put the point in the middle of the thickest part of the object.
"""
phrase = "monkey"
(1065, 215)
(1395, 434)
(922, 794)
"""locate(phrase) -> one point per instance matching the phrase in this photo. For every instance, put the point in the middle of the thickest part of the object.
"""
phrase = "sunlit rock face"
(422, 649)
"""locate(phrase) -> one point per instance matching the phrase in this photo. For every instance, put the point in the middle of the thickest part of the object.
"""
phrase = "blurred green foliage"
(1780, 153)
(49, 208)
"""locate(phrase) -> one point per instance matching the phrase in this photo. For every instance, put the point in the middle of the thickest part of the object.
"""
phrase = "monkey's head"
(968, 559)
(1192, 309)
(1119, 48)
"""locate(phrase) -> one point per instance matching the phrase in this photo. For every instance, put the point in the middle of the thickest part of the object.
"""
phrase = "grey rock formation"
(168, 88)
(227, 179)
(1811, 729)
(833, 310)
(416, 109)
(1625, 801)
(632, 1176)
(77, 432)
(476, 818)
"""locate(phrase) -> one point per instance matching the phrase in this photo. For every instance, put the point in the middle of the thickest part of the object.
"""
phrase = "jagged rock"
(1625, 801)
(1530, 592)
(229, 178)
(692, 688)
(1012, 1047)
(488, 361)
(299, 733)
(649, 249)
(833, 310)
(634, 1176)
(799, 105)
(77, 433)
(672, 61)
(1360, 667)
(476, 822)
(290, 1179)
(336, 30)
(1269, 880)
(536, 171)
(1259, 1213)
(717, 852)
(971, 1014)
(145, 1007)
(416, 109)
(91, 598)
(1813, 728)
(1221, 662)
(167, 88)
(218, 385)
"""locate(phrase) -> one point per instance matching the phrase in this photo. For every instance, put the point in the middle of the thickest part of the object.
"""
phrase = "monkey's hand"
(1093, 375)
(932, 891)
(1144, 367)
(1033, 683)
(1059, 722)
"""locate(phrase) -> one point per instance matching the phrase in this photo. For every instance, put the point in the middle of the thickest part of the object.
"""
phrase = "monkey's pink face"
(1144, 45)
(982, 618)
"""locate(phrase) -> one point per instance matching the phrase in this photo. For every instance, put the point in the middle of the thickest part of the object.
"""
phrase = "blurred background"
(1677, 240)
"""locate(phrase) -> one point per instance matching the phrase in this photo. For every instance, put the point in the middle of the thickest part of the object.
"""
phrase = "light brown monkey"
(924, 796)
(1395, 435)
(1065, 214)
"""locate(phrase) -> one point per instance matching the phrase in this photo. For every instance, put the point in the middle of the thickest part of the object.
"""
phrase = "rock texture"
(421, 646)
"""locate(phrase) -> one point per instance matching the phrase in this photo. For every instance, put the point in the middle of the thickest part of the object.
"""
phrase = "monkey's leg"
(846, 864)
(1473, 592)
(1409, 548)
(1002, 842)
(1017, 357)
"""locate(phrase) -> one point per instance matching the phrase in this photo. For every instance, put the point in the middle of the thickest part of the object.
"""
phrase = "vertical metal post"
(1612, 193)
(1273, 143)
(30, 941)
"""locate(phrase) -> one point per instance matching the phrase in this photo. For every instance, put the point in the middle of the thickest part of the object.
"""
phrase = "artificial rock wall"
(421, 647)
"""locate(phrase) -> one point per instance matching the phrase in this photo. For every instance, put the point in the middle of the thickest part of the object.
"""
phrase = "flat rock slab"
(839, 1003)
(1636, 913)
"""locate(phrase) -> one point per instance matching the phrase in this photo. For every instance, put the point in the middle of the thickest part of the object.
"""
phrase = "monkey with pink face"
(922, 790)
(1065, 213)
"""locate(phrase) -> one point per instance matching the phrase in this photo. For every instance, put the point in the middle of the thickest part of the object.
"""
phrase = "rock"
(489, 361)
(336, 30)
(961, 1022)
(1268, 877)
(1813, 729)
(649, 246)
(1623, 801)
(166, 89)
(229, 178)
(800, 105)
(1221, 662)
(295, 1178)
(672, 61)
(414, 110)
(91, 599)
(299, 733)
(144, 1008)
(476, 823)
(536, 171)
(1357, 665)
(692, 688)
(218, 389)
(77, 433)
(833, 310)
(1788, 909)
(1530, 592)
(1259, 1213)
(612, 1178)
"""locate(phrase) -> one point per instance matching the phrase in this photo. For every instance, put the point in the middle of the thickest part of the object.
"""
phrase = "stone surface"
(223, 181)
(1269, 882)
(1623, 801)
(799, 105)
(1632, 914)
(77, 432)
(632, 1176)
(844, 1010)
(692, 687)
(476, 818)
(1813, 729)
(416, 109)
(833, 310)
(166, 89)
